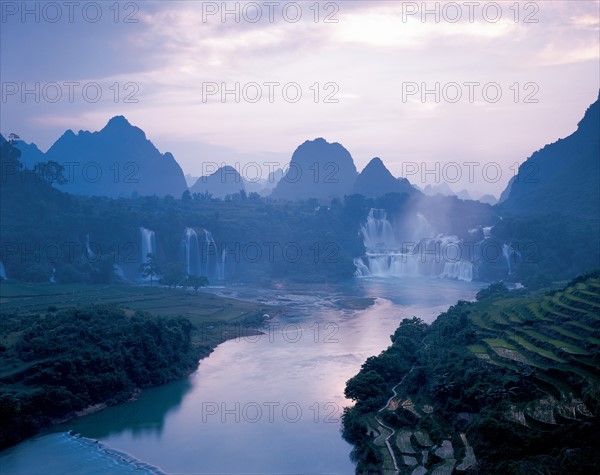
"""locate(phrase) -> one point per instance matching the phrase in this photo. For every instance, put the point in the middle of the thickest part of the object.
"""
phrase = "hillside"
(509, 384)
(562, 177)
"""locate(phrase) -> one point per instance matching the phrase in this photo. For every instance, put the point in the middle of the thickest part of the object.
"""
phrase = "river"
(258, 404)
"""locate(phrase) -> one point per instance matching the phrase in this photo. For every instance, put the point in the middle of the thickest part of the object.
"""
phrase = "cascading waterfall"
(2, 272)
(148, 243)
(420, 255)
(193, 257)
(213, 259)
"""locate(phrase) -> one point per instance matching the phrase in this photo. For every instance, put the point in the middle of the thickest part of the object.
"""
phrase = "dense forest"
(60, 362)
(507, 384)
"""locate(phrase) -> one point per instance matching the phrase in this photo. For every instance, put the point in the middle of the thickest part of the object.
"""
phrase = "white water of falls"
(2, 271)
(213, 257)
(148, 243)
(510, 256)
(420, 254)
(89, 253)
(193, 257)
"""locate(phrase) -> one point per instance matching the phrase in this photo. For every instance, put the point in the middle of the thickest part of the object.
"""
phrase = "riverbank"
(283, 390)
(70, 351)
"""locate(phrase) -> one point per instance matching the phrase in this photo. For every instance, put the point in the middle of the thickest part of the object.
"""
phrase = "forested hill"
(562, 177)
(56, 363)
(509, 384)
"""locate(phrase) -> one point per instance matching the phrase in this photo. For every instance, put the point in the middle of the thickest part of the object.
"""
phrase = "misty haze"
(299, 237)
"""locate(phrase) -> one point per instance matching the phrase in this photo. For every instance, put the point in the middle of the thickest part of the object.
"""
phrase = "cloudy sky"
(512, 76)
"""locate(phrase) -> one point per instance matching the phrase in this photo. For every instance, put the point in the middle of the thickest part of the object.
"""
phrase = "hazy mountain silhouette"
(225, 181)
(464, 195)
(506, 192)
(442, 189)
(563, 176)
(30, 153)
(488, 199)
(116, 161)
(376, 180)
(318, 169)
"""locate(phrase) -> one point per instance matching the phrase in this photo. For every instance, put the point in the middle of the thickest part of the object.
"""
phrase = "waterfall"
(509, 256)
(148, 244)
(53, 276)
(193, 258)
(89, 253)
(213, 259)
(487, 232)
(2, 272)
(377, 232)
(422, 254)
(223, 256)
(119, 272)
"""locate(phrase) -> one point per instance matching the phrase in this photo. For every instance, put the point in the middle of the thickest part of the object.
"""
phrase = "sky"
(459, 92)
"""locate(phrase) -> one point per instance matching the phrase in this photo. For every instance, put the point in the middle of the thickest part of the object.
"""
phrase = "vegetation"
(507, 384)
(69, 348)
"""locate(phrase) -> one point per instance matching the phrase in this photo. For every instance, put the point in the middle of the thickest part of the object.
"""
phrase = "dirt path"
(391, 430)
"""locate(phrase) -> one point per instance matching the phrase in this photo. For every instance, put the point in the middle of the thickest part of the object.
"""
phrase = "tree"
(50, 172)
(173, 276)
(196, 281)
(150, 267)
(364, 386)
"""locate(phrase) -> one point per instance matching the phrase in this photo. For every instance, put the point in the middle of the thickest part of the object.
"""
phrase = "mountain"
(30, 153)
(464, 195)
(441, 189)
(225, 181)
(488, 199)
(318, 169)
(506, 192)
(116, 161)
(376, 180)
(264, 186)
(190, 179)
(562, 177)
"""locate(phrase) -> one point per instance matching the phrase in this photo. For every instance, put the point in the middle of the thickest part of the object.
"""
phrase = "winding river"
(258, 404)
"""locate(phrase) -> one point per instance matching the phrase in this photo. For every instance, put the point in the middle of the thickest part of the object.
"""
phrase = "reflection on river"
(258, 404)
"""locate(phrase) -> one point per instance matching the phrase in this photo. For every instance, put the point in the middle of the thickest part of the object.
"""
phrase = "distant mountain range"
(116, 161)
(120, 161)
(562, 177)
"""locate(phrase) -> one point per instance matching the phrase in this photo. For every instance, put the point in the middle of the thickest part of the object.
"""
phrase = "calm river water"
(256, 405)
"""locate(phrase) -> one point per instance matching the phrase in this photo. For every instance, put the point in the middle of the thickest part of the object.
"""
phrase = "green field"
(34, 298)
(216, 318)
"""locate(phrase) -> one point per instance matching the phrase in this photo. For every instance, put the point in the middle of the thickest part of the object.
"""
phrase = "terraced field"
(556, 338)
(534, 409)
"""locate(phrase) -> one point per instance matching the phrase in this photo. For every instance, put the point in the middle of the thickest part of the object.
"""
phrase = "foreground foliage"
(56, 363)
(508, 384)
